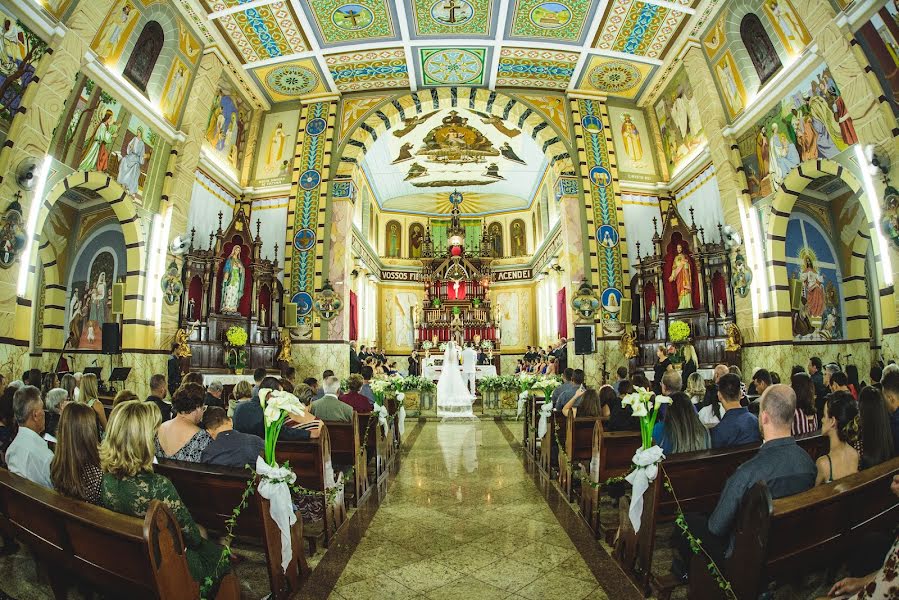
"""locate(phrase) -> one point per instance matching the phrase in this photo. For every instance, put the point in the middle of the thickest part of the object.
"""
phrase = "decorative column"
(573, 258)
(339, 257)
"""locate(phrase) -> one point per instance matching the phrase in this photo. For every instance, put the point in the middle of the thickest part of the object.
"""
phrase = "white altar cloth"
(227, 379)
(433, 371)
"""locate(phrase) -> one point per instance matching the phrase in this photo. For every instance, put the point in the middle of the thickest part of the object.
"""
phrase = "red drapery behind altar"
(451, 291)
(354, 316)
(562, 312)
(245, 301)
(671, 299)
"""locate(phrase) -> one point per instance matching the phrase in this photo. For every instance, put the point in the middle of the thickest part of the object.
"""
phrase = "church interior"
(449, 299)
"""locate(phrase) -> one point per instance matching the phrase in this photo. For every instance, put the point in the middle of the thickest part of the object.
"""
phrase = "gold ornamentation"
(284, 352)
(629, 346)
(734, 338)
(182, 349)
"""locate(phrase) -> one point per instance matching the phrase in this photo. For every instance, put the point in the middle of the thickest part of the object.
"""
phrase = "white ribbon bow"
(280, 503)
(646, 461)
(381, 411)
(522, 400)
(401, 420)
(545, 411)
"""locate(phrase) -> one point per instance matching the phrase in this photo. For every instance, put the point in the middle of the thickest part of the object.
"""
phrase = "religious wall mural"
(416, 239)
(174, 92)
(814, 280)
(224, 130)
(787, 25)
(276, 148)
(879, 38)
(114, 31)
(633, 144)
(812, 122)
(731, 84)
(495, 230)
(679, 121)
(517, 235)
(394, 239)
(22, 50)
(100, 262)
(97, 133)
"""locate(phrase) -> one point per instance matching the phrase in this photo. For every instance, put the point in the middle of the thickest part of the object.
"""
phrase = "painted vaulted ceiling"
(295, 48)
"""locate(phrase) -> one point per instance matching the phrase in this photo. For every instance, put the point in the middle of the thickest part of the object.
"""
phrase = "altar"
(432, 368)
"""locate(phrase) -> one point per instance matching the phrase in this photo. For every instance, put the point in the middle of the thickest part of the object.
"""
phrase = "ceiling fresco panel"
(563, 22)
(290, 80)
(338, 22)
(638, 28)
(614, 77)
(452, 66)
(451, 18)
(525, 67)
(263, 32)
(373, 69)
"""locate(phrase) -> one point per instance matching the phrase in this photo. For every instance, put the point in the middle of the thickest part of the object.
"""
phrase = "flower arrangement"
(500, 383)
(379, 387)
(276, 407)
(645, 406)
(236, 336)
(476, 303)
(427, 345)
(487, 344)
(235, 342)
(678, 331)
(436, 303)
(412, 383)
(442, 347)
(547, 384)
(526, 380)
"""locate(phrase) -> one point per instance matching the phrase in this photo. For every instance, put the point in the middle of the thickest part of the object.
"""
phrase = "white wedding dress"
(453, 397)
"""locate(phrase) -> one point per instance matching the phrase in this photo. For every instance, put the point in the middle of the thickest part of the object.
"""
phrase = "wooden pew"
(308, 460)
(555, 428)
(122, 556)
(779, 540)
(698, 479)
(347, 449)
(371, 434)
(577, 440)
(211, 492)
(393, 408)
(531, 418)
(611, 456)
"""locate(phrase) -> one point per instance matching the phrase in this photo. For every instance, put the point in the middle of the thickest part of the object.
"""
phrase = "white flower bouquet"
(646, 407)
(277, 405)
(547, 384)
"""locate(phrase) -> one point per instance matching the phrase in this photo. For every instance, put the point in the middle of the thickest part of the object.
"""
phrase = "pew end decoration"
(645, 406)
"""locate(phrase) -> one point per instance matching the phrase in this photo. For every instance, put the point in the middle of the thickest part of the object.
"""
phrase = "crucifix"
(353, 16)
(452, 8)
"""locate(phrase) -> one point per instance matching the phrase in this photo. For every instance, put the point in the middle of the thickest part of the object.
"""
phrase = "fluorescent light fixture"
(864, 163)
(758, 257)
(159, 242)
(37, 200)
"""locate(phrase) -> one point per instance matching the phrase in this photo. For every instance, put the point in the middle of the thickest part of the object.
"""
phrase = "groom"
(469, 363)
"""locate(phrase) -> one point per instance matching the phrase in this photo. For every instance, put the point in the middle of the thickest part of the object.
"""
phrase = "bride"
(453, 397)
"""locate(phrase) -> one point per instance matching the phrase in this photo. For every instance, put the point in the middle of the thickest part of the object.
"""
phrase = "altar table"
(227, 379)
(432, 372)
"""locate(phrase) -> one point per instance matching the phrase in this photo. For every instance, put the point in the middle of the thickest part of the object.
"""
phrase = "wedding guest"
(588, 401)
(214, 392)
(890, 388)
(840, 426)
(355, 361)
(312, 382)
(249, 416)
(242, 392)
(229, 448)
(875, 438)
(695, 389)
(193, 377)
(691, 364)
(158, 388)
(129, 483)
(258, 376)
(54, 401)
(28, 455)
(69, 384)
(785, 467)
(75, 468)
(181, 437)
(663, 364)
(737, 426)
(806, 420)
(173, 370)
(814, 371)
(622, 376)
(681, 431)
(414, 364)
(329, 407)
(8, 425)
(577, 381)
(89, 395)
(567, 389)
(711, 392)
(367, 375)
(761, 379)
(320, 392)
(710, 414)
(353, 398)
(124, 396)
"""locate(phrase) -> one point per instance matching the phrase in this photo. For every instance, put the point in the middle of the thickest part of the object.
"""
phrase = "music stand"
(95, 371)
(119, 374)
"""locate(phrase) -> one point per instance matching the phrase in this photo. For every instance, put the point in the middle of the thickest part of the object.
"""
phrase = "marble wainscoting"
(508, 362)
(311, 358)
(782, 358)
(143, 366)
(890, 347)
(14, 360)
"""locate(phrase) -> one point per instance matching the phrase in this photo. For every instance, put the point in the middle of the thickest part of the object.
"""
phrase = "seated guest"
(761, 380)
(711, 392)
(806, 420)
(563, 388)
(671, 383)
(786, 468)
(89, 395)
(158, 388)
(875, 374)
(181, 437)
(640, 380)
(124, 396)
(312, 382)
(321, 389)
(229, 448)
(75, 468)
(589, 403)
(875, 438)
(353, 398)
(840, 426)
(129, 483)
(28, 455)
(890, 386)
(695, 389)
(287, 385)
(775, 377)
(76, 394)
(607, 399)
(839, 382)
(621, 418)
(681, 431)
(69, 384)
(258, 376)
(8, 426)
(622, 376)
(577, 380)
(738, 425)
(55, 400)
(193, 378)
(710, 415)
(367, 374)
(214, 393)
(290, 374)
(329, 407)
(249, 417)
(797, 369)
(243, 391)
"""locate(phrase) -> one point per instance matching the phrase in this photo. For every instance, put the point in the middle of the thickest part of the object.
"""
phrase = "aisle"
(464, 520)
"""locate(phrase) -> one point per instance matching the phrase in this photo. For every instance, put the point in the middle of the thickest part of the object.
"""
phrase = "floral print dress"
(132, 496)
(189, 452)
(886, 583)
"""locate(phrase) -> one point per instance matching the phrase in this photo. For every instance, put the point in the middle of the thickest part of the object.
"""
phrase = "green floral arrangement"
(678, 332)
(500, 383)
(486, 344)
(457, 310)
(476, 303)
(427, 345)
(525, 381)
(236, 336)
(547, 384)
(412, 383)
(435, 303)
(645, 406)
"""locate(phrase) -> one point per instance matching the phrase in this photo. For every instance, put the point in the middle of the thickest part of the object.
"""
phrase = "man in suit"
(577, 380)
(329, 407)
(355, 362)
(562, 354)
(157, 396)
(482, 358)
(174, 371)
(469, 367)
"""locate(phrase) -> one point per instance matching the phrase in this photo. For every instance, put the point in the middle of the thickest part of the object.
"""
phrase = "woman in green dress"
(129, 483)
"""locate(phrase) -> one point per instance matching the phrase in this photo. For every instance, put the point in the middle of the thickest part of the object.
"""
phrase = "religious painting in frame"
(224, 130)
(731, 84)
(89, 303)
(22, 50)
(115, 30)
(174, 91)
(633, 144)
(187, 43)
(679, 121)
(787, 25)
(276, 148)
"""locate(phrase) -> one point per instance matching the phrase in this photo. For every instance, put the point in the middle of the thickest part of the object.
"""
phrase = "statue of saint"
(182, 349)
(232, 283)
(682, 277)
(284, 347)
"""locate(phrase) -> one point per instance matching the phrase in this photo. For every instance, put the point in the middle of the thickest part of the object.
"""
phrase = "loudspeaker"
(584, 339)
(627, 311)
(795, 294)
(118, 298)
(290, 314)
(112, 343)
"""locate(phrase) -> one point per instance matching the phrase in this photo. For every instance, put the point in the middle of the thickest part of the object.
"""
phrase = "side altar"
(229, 284)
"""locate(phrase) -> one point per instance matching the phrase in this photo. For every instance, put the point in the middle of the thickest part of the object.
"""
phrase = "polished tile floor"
(463, 519)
